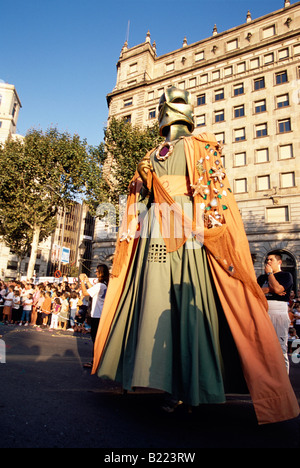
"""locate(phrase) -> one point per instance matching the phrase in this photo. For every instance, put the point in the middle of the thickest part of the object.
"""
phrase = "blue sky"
(61, 55)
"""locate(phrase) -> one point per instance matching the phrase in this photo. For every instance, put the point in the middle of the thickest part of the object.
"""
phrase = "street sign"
(65, 255)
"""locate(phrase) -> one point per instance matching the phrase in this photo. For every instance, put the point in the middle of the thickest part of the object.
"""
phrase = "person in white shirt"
(8, 302)
(97, 292)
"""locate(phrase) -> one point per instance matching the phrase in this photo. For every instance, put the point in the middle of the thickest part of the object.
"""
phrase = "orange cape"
(228, 253)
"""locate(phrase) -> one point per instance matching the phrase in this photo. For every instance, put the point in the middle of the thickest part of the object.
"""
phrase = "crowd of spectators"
(294, 314)
(53, 306)
(62, 306)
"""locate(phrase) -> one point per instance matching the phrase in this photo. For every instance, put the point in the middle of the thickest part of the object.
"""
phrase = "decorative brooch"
(164, 150)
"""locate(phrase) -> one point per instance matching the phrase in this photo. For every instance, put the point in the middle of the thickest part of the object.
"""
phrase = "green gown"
(165, 334)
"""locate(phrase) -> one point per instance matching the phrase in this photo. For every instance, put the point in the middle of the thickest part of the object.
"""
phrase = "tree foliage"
(45, 171)
(125, 145)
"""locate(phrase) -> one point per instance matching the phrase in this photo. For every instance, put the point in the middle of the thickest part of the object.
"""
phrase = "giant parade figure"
(183, 312)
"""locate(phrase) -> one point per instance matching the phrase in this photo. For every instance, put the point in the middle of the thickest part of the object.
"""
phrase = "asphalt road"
(48, 400)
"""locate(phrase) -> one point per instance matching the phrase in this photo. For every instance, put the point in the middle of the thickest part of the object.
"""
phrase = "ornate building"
(10, 106)
(245, 83)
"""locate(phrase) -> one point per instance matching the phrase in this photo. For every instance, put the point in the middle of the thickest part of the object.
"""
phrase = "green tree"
(17, 237)
(45, 171)
(125, 145)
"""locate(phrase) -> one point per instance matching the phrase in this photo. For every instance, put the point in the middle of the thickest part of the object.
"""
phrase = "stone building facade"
(10, 106)
(245, 83)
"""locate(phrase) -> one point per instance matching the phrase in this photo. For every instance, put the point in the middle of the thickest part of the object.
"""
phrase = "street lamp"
(81, 250)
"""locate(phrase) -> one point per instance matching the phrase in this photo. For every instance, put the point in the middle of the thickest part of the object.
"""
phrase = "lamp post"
(81, 250)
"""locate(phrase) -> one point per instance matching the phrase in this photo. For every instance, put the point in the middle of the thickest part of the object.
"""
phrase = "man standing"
(277, 285)
(97, 292)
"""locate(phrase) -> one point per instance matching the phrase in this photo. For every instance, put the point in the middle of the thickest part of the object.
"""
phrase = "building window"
(261, 130)
(262, 155)
(201, 100)
(232, 45)
(216, 75)
(268, 32)
(160, 92)
(0, 99)
(259, 83)
(199, 56)
(170, 67)
(254, 63)
(263, 182)
(240, 159)
(283, 53)
(238, 89)
(181, 85)
(203, 79)
(240, 186)
(219, 94)
(278, 214)
(220, 137)
(287, 180)
(133, 68)
(282, 101)
(281, 77)
(239, 134)
(241, 67)
(239, 111)
(151, 96)
(296, 49)
(200, 120)
(127, 118)
(12, 265)
(228, 71)
(269, 58)
(260, 106)
(152, 114)
(284, 126)
(128, 102)
(14, 110)
(219, 116)
(286, 152)
(192, 83)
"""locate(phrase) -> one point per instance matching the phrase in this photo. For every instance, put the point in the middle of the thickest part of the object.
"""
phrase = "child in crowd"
(291, 338)
(16, 311)
(46, 308)
(63, 316)
(27, 306)
(56, 306)
(74, 297)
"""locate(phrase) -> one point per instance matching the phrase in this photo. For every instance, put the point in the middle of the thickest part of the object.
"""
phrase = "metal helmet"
(175, 106)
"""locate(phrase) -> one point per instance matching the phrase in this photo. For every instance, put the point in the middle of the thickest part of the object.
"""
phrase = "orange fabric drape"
(243, 302)
(245, 306)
